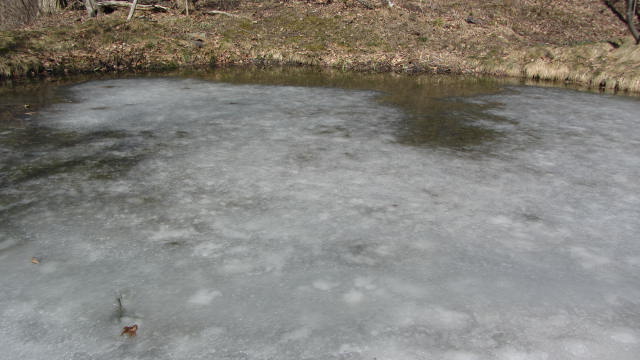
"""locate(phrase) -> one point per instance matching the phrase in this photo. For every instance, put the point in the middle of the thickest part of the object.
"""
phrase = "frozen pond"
(253, 221)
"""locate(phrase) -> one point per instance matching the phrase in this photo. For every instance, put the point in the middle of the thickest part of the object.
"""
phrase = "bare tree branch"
(614, 10)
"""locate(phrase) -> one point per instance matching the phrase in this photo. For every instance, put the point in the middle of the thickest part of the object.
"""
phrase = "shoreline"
(295, 34)
(542, 76)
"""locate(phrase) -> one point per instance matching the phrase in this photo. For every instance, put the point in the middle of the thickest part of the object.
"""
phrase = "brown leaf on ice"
(130, 330)
(35, 260)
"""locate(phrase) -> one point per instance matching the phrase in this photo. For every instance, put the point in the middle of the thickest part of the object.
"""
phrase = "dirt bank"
(575, 41)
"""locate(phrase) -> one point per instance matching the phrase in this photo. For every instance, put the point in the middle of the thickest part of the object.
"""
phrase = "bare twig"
(120, 310)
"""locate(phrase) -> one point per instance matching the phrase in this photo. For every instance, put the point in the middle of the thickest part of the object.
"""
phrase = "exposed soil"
(571, 40)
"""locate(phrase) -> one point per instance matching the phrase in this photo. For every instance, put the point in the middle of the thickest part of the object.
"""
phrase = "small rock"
(197, 36)
(476, 21)
(197, 43)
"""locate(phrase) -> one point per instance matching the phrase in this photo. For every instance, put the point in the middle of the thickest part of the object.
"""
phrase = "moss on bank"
(537, 40)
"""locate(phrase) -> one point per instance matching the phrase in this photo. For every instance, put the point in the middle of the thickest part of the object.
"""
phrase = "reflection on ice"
(264, 222)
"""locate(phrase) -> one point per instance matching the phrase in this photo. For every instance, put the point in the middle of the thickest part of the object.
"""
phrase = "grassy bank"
(575, 41)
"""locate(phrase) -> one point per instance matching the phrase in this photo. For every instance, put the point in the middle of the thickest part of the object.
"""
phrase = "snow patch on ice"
(364, 283)
(624, 336)
(204, 296)
(297, 334)
(325, 285)
(514, 354)
(460, 355)
(237, 266)
(588, 259)
(353, 297)
(431, 316)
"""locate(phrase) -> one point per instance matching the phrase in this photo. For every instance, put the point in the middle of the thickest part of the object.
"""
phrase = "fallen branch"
(132, 10)
(116, 3)
(218, 12)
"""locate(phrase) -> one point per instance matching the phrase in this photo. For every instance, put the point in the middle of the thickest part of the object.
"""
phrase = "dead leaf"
(130, 330)
(35, 260)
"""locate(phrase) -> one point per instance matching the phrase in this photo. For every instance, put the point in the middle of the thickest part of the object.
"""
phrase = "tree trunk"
(49, 6)
(92, 8)
(632, 7)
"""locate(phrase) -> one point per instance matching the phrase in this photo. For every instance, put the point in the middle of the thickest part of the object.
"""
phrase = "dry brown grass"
(540, 39)
(595, 65)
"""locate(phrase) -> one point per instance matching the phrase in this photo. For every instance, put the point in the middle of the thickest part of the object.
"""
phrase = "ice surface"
(263, 222)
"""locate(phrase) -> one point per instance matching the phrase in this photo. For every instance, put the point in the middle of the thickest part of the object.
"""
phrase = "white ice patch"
(204, 296)
(576, 348)
(431, 316)
(298, 334)
(514, 354)
(324, 285)
(207, 249)
(364, 283)
(624, 336)
(237, 266)
(353, 297)
(460, 355)
(6, 243)
(48, 267)
(588, 259)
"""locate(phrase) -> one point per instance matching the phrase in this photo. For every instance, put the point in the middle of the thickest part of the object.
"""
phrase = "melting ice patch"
(263, 222)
